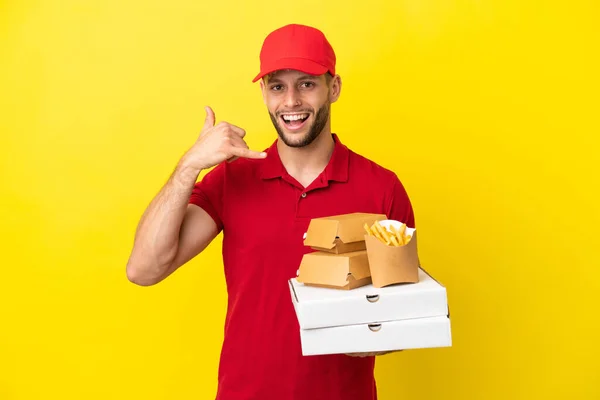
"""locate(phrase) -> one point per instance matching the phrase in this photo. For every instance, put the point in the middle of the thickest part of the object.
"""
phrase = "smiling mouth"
(294, 121)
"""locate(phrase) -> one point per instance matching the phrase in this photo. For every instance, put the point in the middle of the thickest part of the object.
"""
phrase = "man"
(263, 203)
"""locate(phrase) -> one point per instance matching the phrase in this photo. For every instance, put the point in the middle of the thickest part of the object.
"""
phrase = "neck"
(306, 163)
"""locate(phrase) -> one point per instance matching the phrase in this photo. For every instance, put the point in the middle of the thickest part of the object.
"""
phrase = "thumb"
(209, 121)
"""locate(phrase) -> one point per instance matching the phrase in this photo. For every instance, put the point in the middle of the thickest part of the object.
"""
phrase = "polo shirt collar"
(336, 169)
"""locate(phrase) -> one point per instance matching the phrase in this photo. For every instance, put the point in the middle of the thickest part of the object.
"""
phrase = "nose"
(292, 98)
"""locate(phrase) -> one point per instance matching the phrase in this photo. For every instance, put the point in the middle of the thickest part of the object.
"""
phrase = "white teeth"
(294, 117)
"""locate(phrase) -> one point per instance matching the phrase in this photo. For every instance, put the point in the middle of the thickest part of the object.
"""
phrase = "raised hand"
(218, 143)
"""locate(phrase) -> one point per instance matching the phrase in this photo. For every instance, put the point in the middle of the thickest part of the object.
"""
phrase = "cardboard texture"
(418, 333)
(336, 271)
(322, 308)
(391, 265)
(340, 233)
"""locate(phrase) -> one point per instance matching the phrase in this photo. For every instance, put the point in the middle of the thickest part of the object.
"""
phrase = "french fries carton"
(392, 253)
(335, 271)
(369, 319)
(340, 234)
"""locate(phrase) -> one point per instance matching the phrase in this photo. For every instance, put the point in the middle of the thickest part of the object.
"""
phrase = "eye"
(276, 87)
(307, 84)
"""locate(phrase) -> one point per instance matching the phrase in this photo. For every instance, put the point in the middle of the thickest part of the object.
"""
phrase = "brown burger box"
(340, 258)
(340, 234)
(335, 271)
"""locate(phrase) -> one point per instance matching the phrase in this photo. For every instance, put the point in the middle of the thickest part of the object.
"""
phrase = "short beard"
(316, 128)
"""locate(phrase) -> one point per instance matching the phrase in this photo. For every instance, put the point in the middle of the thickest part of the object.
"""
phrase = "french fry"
(377, 234)
(369, 232)
(401, 240)
(394, 241)
(397, 234)
(378, 227)
(383, 232)
(402, 230)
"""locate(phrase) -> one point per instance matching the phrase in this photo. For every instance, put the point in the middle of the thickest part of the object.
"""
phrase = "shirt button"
(304, 194)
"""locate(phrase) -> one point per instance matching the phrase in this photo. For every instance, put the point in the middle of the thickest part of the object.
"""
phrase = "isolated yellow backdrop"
(487, 110)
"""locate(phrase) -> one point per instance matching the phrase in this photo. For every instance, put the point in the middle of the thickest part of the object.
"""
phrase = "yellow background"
(487, 110)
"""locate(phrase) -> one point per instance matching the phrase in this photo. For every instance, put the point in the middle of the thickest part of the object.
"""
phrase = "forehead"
(290, 74)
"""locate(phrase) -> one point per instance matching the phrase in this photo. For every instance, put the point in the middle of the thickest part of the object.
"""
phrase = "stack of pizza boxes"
(361, 288)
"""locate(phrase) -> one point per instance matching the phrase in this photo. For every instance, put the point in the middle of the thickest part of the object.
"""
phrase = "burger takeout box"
(340, 233)
(337, 271)
(346, 257)
(371, 319)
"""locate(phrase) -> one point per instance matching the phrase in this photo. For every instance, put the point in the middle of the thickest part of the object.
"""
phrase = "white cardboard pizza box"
(417, 333)
(317, 307)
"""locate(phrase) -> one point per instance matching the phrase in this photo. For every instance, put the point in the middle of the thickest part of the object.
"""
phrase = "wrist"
(186, 175)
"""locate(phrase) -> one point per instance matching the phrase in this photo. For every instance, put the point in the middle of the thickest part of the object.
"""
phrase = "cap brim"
(299, 64)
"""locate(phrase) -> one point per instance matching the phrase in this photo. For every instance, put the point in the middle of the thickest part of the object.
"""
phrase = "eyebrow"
(301, 78)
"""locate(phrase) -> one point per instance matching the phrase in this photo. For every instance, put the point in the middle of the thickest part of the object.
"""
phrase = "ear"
(336, 88)
(262, 89)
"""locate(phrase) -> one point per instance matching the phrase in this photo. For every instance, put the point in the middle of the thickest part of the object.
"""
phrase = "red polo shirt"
(263, 213)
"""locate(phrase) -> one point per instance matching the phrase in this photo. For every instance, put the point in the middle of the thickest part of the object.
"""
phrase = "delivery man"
(262, 202)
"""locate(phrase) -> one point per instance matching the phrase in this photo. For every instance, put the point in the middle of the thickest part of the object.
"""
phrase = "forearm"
(157, 236)
(161, 245)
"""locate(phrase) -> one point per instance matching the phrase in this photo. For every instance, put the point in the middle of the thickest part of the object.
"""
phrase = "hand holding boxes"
(363, 290)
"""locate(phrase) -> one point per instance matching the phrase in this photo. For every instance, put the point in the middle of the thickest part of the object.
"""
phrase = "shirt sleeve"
(208, 194)
(400, 207)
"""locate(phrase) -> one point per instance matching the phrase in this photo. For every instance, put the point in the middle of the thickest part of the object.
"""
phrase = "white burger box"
(369, 319)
